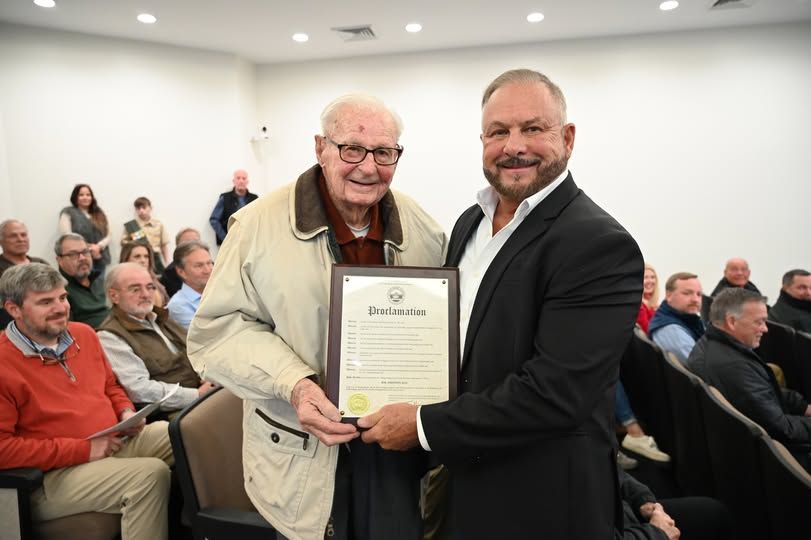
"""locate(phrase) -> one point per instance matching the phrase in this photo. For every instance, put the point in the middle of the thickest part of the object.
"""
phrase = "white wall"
(696, 141)
(128, 118)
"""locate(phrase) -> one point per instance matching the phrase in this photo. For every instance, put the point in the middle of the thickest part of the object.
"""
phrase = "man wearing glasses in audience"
(56, 390)
(146, 349)
(85, 290)
(261, 331)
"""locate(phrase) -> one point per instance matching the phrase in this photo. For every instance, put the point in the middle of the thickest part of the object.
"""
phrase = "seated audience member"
(696, 518)
(736, 274)
(193, 264)
(676, 326)
(85, 287)
(141, 254)
(146, 349)
(57, 389)
(724, 358)
(650, 298)
(15, 245)
(170, 279)
(229, 202)
(148, 230)
(793, 307)
(635, 439)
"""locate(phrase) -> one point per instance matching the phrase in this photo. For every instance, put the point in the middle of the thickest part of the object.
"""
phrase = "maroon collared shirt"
(354, 250)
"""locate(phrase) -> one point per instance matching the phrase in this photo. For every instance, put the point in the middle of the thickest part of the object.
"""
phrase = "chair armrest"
(27, 479)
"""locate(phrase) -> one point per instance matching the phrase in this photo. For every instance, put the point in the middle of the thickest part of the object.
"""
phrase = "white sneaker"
(644, 446)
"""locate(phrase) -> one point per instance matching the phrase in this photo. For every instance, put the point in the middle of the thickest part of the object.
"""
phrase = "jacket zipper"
(297, 433)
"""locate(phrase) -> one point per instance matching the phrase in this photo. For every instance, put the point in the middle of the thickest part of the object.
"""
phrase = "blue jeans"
(622, 407)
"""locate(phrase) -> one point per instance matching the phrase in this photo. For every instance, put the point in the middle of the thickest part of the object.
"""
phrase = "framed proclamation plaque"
(393, 337)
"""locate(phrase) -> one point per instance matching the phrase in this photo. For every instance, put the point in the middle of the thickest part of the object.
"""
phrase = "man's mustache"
(518, 162)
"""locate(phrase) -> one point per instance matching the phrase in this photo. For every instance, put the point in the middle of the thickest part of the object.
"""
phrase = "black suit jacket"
(529, 442)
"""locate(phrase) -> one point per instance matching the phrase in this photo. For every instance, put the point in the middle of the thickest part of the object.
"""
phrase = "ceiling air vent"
(361, 32)
(730, 4)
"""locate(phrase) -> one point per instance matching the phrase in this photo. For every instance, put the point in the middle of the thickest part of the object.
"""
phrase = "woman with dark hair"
(84, 217)
(140, 253)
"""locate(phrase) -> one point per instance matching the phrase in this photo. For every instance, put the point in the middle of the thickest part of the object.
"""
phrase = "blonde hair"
(653, 301)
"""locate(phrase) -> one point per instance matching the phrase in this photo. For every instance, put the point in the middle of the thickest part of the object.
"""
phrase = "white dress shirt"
(481, 249)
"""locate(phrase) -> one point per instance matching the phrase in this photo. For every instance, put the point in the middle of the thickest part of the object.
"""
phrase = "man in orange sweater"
(57, 389)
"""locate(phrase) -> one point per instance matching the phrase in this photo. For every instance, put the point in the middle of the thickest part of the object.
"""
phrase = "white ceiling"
(261, 30)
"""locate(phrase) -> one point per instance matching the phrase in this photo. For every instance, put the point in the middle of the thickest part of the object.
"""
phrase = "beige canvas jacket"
(262, 326)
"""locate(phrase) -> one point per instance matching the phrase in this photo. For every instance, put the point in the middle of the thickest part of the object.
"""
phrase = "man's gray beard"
(546, 174)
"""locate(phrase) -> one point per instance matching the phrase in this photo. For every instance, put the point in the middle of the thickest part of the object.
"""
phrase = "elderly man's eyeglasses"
(76, 254)
(138, 289)
(353, 153)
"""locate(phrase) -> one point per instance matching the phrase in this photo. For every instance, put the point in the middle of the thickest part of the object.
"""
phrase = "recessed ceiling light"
(535, 17)
(413, 27)
(668, 5)
(45, 3)
(147, 18)
(301, 38)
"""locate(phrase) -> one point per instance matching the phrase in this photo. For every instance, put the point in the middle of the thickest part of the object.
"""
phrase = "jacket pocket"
(286, 436)
(278, 459)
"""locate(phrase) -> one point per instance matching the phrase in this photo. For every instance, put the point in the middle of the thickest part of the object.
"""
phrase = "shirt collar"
(64, 342)
(190, 293)
(487, 198)
(343, 234)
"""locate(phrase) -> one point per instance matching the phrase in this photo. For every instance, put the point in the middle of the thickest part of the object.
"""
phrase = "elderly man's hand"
(318, 415)
(394, 427)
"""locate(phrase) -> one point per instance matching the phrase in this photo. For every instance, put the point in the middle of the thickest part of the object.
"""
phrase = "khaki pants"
(134, 482)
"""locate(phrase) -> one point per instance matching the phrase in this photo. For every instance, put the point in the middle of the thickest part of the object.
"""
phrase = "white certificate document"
(135, 418)
(394, 342)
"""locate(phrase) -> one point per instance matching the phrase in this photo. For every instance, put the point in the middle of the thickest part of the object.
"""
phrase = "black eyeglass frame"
(398, 149)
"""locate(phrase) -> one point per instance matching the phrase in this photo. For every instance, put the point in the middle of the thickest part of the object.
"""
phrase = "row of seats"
(717, 451)
(791, 350)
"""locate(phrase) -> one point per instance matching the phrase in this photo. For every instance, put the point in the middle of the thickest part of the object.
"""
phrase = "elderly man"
(724, 358)
(229, 202)
(57, 389)
(146, 349)
(15, 245)
(793, 307)
(193, 265)
(262, 325)
(736, 274)
(88, 303)
(677, 326)
(170, 279)
(550, 286)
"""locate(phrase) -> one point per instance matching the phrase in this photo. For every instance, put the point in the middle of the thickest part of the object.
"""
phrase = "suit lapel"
(465, 226)
(533, 226)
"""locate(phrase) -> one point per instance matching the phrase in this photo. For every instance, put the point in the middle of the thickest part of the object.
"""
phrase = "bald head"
(341, 110)
(240, 181)
(737, 272)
